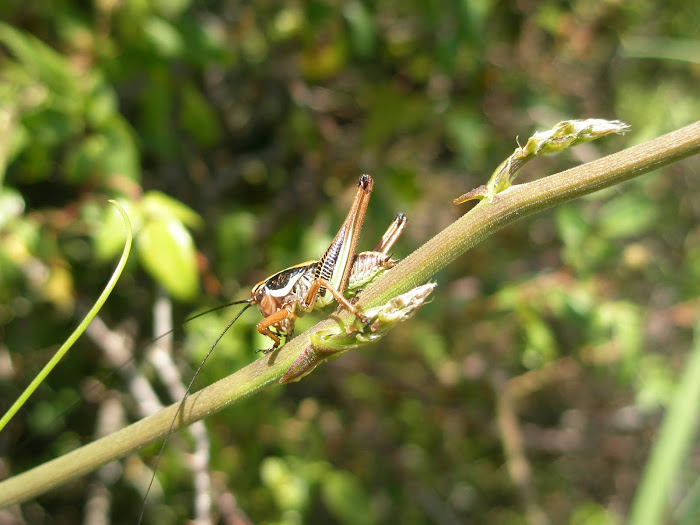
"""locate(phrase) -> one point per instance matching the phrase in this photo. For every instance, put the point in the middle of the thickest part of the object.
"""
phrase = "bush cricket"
(290, 293)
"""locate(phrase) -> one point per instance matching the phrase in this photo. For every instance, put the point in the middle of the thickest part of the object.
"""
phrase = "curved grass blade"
(81, 327)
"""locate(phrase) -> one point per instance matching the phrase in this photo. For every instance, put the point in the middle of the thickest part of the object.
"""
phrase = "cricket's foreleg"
(342, 301)
(271, 320)
(391, 235)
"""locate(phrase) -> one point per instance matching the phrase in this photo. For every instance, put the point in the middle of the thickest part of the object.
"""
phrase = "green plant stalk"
(672, 445)
(525, 199)
(483, 220)
(81, 327)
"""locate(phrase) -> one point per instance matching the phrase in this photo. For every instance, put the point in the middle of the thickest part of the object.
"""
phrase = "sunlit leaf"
(109, 236)
(160, 205)
(290, 490)
(121, 156)
(346, 498)
(540, 345)
(592, 513)
(164, 37)
(171, 8)
(167, 252)
(324, 59)
(362, 28)
(102, 105)
(50, 67)
(11, 205)
(59, 288)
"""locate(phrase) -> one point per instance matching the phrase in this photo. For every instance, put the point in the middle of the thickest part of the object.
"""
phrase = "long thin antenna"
(187, 391)
(200, 314)
(100, 334)
(205, 312)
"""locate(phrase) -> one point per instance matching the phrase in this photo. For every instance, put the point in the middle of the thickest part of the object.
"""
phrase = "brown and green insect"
(311, 285)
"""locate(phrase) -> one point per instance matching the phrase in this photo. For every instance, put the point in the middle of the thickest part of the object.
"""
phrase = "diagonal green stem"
(483, 220)
(525, 199)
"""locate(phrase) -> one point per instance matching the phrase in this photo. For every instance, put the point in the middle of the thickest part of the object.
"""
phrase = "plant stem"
(483, 220)
(525, 199)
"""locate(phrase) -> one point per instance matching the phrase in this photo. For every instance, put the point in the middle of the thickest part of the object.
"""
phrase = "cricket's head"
(281, 289)
(275, 303)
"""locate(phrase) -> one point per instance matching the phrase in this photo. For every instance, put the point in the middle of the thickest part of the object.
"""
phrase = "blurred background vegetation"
(235, 133)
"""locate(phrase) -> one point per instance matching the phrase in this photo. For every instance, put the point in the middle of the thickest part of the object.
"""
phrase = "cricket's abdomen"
(366, 267)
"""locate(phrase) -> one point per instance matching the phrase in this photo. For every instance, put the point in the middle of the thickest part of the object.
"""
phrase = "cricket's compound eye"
(258, 292)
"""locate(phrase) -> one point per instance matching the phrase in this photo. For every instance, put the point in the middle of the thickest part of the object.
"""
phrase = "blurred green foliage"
(234, 132)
